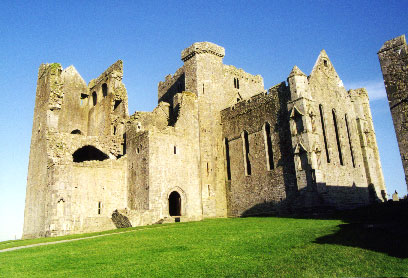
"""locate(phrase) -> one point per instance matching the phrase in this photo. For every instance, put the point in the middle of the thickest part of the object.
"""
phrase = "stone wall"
(393, 57)
(172, 85)
(272, 175)
(108, 112)
(36, 194)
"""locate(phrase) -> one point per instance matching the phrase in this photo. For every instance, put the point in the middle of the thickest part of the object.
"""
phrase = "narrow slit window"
(227, 158)
(94, 98)
(337, 137)
(99, 207)
(268, 147)
(175, 150)
(235, 83)
(245, 145)
(349, 139)
(324, 133)
(104, 89)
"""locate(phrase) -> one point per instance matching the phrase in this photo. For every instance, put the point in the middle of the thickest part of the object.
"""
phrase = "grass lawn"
(237, 247)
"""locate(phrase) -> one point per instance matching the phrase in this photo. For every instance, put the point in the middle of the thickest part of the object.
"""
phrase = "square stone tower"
(393, 57)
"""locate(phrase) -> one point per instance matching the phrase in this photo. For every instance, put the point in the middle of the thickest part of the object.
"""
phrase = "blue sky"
(262, 37)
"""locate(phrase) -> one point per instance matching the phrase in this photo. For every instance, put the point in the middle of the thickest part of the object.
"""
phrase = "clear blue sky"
(262, 37)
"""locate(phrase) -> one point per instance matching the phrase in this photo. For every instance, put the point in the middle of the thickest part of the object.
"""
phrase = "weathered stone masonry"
(393, 57)
(216, 145)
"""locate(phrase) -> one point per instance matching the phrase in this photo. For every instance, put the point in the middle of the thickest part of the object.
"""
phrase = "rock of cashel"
(217, 145)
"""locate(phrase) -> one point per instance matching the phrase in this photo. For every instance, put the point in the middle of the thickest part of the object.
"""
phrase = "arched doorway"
(174, 204)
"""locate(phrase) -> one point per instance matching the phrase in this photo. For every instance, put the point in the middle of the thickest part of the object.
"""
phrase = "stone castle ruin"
(217, 144)
(393, 57)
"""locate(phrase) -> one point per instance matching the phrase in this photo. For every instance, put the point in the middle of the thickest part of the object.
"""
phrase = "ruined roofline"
(200, 48)
(242, 74)
(115, 67)
(398, 41)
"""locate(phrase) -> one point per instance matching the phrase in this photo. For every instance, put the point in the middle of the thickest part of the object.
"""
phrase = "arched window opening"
(104, 89)
(349, 139)
(245, 146)
(174, 204)
(76, 131)
(88, 153)
(227, 158)
(94, 98)
(324, 133)
(337, 136)
(268, 147)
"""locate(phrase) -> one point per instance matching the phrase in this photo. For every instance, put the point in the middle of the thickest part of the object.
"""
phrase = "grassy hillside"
(239, 247)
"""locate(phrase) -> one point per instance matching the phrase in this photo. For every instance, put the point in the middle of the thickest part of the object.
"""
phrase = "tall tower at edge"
(393, 57)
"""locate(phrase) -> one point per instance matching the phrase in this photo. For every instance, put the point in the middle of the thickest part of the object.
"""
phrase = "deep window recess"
(299, 122)
(268, 147)
(117, 103)
(88, 153)
(94, 98)
(227, 157)
(349, 139)
(337, 136)
(324, 133)
(245, 145)
(174, 204)
(76, 131)
(104, 89)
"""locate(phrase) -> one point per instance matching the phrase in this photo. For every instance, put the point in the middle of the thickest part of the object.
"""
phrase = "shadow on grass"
(379, 227)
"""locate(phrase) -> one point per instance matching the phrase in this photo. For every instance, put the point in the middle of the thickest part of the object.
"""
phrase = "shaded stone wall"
(172, 85)
(393, 57)
(265, 189)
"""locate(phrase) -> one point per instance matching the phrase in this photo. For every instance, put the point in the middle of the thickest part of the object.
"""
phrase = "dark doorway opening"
(174, 204)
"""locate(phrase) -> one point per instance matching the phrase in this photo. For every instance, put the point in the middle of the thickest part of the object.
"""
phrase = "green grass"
(17, 243)
(238, 247)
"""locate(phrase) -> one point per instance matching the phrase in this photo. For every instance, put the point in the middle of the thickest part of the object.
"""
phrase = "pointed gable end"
(324, 69)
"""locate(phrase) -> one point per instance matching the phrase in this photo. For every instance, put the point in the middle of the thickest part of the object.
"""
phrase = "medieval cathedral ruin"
(217, 144)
